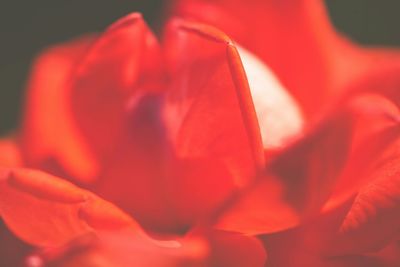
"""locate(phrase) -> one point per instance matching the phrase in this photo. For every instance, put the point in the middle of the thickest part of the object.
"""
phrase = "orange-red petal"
(47, 119)
(44, 210)
(214, 249)
(123, 60)
(209, 111)
(10, 154)
(374, 217)
(297, 40)
(329, 162)
(123, 249)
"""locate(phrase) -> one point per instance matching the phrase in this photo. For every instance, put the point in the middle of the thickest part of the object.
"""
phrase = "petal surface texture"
(124, 248)
(46, 211)
(209, 111)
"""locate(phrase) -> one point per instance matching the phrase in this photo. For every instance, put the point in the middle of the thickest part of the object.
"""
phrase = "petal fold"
(209, 110)
(44, 210)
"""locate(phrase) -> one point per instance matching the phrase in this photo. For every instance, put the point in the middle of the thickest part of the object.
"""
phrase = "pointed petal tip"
(127, 20)
(201, 29)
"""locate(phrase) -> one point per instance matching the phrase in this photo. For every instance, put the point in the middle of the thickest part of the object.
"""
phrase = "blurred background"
(26, 27)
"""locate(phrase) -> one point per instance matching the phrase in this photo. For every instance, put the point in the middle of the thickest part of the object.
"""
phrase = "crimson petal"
(209, 111)
(46, 211)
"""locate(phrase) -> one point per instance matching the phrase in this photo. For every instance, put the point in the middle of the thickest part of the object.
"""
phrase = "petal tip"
(202, 30)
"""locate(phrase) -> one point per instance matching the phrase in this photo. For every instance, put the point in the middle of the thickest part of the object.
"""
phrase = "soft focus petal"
(328, 163)
(235, 250)
(47, 119)
(211, 249)
(209, 111)
(376, 129)
(10, 154)
(278, 114)
(44, 210)
(374, 218)
(176, 192)
(123, 249)
(118, 64)
(294, 38)
(295, 183)
(145, 179)
(12, 249)
(297, 40)
(136, 177)
(305, 245)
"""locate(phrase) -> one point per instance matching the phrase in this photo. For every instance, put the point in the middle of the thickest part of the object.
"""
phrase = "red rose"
(166, 131)
(198, 174)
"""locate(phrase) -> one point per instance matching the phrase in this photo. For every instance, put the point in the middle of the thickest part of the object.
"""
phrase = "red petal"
(46, 108)
(143, 177)
(236, 250)
(125, 249)
(46, 211)
(122, 61)
(299, 180)
(376, 128)
(296, 40)
(10, 155)
(209, 110)
(156, 184)
(12, 250)
(374, 218)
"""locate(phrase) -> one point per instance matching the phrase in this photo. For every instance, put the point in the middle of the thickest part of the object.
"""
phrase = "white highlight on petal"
(278, 113)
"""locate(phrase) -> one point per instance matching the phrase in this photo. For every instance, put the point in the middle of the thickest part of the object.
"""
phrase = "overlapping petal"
(10, 153)
(209, 110)
(373, 219)
(297, 40)
(46, 211)
(324, 167)
(101, 86)
(196, 140)
(47, 119)
(213, 249)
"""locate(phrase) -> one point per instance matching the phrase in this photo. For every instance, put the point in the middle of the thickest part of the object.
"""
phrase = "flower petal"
(374, 218)
(46, 107)
(279, 116)
(236, 250)
(123, 249)
(293, 39)
(209, 110)
(10, 154)
(12, 250)
(46, 211)
(297, 41)
(162, 192)
(123, 60)
(300, 179)
(295, 183)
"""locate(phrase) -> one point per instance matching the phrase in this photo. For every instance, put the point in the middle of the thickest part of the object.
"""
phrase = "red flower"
(196, 172)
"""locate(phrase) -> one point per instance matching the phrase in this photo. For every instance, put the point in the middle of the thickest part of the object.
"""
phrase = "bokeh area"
(26, 27)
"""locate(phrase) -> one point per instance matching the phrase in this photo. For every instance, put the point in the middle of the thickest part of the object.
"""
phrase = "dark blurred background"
(27, 26)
